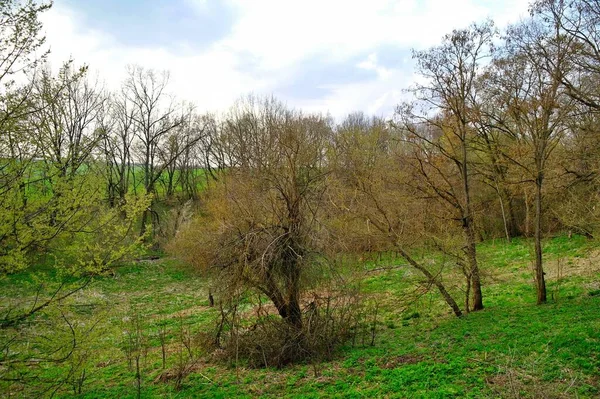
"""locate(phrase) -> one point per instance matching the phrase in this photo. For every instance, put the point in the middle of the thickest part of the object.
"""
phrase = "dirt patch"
(570, 267)
(106, 363)
(398, 361)
(516, 383)
(557, 268)
(184, 313)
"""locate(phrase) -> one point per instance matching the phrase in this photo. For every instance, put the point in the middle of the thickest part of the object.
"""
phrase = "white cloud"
(370, 64)
(210, 79)
(201, 6)
(280, 33)
(277, 36)
(375, 97)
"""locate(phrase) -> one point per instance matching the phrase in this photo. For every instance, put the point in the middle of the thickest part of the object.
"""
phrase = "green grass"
(40, 187)
(512, 348)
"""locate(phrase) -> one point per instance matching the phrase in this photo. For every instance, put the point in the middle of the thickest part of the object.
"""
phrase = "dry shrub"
(327, 323)
(186, 355)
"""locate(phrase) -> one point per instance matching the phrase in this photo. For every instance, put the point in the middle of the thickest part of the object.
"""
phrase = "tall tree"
(21, 51)
(445, 102)
(117, 146)
(58, 207)
(67, 121)
(489, 163)
(260, 227)
(374, 206)
(578, 22)
(156, 116)
(532, 109)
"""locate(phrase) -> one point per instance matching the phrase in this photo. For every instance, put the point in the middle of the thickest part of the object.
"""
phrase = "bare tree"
(261, 227)
(578, 22)
(446, 103)
(492, 167)
(377, 209)
(155, 116)
(183, 145)
(67, 121)
(532, 109)
(117, 146)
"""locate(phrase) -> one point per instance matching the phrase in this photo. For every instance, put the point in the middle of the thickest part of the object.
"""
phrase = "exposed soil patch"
(398, 361)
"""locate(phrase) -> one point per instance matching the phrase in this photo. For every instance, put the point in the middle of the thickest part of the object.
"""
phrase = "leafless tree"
(156, 116)
(445, 103)
(261, 230)
(532, 108)
(376, 206)
(578, 22)
(67, 121)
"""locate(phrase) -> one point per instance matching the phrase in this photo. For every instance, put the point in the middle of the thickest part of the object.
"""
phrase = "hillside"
(513, 348)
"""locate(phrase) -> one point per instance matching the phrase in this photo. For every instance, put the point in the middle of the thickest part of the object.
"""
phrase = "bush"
(328, 323)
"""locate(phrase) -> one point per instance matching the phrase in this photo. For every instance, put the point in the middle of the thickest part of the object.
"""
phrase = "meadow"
(144, 323)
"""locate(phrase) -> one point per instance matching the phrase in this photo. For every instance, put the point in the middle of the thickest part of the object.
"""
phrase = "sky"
(329, 56)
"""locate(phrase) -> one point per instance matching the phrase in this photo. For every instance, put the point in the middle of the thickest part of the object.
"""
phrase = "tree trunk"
(170, 182)
(504, 219)
(539, 269)
(144, 222)
(469, 230)
(147, 214)
(294, 313)
(527, 213)
(289, 309)
(433, 280)
(290, 312)
(293, 267)
(146, 218)
(471, 252)
(511, 227)
(468, 294)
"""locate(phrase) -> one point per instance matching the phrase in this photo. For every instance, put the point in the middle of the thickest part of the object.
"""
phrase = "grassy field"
(511, 349)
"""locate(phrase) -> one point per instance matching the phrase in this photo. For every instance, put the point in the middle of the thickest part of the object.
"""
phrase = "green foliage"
(108, 238)
(420, 351)
(70, 221)
(296, 202)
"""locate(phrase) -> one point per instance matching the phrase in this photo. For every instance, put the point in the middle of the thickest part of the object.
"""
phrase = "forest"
(150, 249)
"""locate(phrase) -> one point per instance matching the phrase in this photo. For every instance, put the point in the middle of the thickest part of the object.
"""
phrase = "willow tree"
(259, 228)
